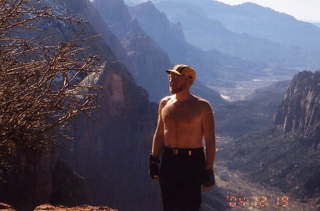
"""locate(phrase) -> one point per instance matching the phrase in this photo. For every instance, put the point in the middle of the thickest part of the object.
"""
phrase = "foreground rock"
(49, 207)
(5, 207)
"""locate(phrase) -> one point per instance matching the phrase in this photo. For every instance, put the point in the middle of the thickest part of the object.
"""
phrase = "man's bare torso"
(183, 122)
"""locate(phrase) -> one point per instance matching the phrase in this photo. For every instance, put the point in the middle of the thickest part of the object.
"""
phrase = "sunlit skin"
(184, 120)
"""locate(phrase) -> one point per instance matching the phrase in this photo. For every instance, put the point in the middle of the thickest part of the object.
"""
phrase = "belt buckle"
(175, 151)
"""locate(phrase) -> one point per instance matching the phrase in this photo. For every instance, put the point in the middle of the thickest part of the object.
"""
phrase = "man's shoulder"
(203, 103)
(164, 101)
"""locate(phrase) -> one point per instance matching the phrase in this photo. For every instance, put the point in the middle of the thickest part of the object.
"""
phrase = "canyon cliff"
(299, 112)
(284, 154)
(143, 57)
(106, 162)
(110, 149)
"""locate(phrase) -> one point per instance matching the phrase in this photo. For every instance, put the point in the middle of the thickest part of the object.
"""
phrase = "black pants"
(180, 179)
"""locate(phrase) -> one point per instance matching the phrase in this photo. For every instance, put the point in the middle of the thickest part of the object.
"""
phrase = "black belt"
(183, 151)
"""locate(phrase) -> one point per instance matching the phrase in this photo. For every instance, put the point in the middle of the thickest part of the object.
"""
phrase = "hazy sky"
(308, 10)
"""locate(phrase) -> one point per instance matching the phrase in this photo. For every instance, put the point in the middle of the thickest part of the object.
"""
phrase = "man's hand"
(154, 168)
(208, 179)
(205, 188)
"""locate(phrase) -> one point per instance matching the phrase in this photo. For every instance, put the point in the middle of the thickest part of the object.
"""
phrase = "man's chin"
(175, 91)
(172, 91)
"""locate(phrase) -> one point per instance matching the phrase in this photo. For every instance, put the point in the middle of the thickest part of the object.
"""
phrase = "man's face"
(177, 83)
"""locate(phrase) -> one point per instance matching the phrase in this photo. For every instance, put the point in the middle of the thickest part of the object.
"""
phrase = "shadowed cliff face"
(300, 110)
(32, 179)
(111, 147)
(106, 161)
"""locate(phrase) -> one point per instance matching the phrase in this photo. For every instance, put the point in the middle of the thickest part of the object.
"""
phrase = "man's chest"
(184, 113)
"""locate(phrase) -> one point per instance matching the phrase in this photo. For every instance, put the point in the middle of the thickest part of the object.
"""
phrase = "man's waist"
(183, 151)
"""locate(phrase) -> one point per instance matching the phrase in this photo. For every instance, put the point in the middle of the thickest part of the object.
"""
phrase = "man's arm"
(158, 137)
(208, 126)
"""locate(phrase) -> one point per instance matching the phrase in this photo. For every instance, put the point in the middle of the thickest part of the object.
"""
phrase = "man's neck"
(183, 95)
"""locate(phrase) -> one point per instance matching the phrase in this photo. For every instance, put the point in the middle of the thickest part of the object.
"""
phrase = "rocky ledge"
(49, 207)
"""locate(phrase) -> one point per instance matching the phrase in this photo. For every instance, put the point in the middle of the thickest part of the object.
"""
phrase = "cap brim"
(173, 71)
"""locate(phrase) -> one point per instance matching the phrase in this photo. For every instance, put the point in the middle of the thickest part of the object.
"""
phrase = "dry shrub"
(39, 82)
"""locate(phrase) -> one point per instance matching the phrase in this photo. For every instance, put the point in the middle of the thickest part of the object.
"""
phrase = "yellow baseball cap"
(183, 70)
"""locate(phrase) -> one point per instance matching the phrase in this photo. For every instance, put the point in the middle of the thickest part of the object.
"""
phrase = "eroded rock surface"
(300, 109)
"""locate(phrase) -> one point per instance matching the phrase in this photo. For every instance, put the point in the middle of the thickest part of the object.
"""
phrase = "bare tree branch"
(39, 83)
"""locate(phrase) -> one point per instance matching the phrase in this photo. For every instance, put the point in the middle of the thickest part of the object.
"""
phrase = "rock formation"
(287, 158)
(106, 163)
(254, 113)
(110, 149)
(299, 112)
(144, 58)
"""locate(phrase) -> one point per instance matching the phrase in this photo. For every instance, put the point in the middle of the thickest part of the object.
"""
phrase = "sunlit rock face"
(300, 109)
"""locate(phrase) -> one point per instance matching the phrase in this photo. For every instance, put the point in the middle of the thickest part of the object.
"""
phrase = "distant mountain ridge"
(258, 21)
(263, 22)
(145, 59)
(211, 65)
(246, 31)
(317, 24)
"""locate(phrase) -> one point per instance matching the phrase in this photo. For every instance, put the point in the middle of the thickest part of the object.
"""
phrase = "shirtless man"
(184, 120)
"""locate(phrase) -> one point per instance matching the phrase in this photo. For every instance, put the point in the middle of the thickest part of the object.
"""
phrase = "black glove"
(208, 178)
(153, 167)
